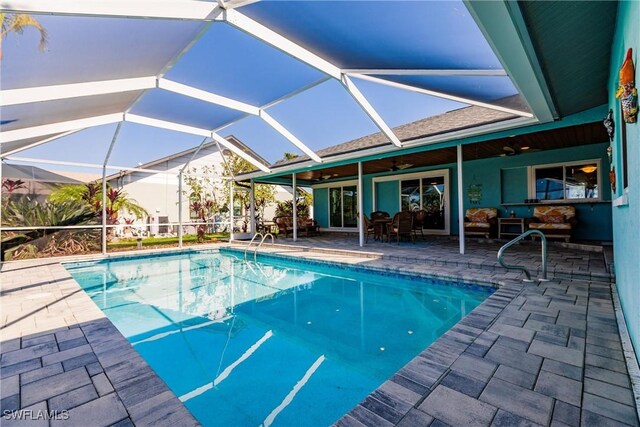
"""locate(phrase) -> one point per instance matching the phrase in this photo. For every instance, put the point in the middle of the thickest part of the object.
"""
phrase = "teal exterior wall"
(626, 217)
(320, 206)
(594, 219)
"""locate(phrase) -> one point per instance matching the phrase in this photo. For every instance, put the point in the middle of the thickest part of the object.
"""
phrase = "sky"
(231, 63)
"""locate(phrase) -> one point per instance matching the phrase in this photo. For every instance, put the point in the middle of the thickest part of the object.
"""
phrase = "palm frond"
(18, 22)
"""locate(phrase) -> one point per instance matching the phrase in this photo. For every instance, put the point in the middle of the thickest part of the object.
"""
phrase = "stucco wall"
(626, 218)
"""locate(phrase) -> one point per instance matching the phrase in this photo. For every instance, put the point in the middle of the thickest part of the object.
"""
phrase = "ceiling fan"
(513, 149)
(326, 177)
(398, 167)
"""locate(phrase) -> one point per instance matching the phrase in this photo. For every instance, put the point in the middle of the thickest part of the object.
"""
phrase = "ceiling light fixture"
(589, 169)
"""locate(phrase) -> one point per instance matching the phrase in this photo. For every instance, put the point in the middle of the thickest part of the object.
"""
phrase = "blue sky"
(231, 63)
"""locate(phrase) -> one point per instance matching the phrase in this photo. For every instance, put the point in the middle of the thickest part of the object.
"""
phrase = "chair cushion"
(478, 217)
(567, 211)
(477, 225)
(489, 212)
(549, 226)
(553, 218)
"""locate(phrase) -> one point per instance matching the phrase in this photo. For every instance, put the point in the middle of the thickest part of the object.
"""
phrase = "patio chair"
(284, 224)
(401, 225)
(369, 228)
(481, 222)
(418, 222)
(553, 221)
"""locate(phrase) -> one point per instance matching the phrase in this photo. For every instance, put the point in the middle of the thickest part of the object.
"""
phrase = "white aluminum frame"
(222, 11)
(74, 90)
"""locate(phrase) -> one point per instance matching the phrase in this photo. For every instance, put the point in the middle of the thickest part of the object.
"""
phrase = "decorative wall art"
(627, 92)
(475, 194)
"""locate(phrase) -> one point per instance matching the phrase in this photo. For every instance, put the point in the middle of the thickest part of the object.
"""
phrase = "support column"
(231, 210)
(360, 205)
(460, 199)
(180, 209)
(295, 208)
(1, 161)
(104, 189)
(252, 208)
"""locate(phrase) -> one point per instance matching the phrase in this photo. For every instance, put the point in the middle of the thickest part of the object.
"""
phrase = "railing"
(519, 267)
(250, 243)
(264, 237)
(255, 251)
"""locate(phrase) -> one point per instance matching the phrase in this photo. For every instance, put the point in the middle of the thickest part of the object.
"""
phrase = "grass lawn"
(158, 241)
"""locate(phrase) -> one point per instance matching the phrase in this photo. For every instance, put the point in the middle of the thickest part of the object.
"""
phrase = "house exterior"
(157, 191)
(456, 161)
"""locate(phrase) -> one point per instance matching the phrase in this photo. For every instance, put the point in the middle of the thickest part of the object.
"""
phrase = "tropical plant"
(17, 23)
(286, 209)
(264, 193)
(91, 195)
(24, 212)
(289, 156)
(204, 186)
(11, 185)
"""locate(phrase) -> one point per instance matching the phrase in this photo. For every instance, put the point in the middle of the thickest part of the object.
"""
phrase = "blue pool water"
(273, 342)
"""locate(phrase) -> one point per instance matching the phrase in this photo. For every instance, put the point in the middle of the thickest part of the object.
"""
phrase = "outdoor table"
(380, 227)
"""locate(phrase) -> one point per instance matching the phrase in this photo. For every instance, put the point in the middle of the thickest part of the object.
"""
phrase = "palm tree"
(17, 23)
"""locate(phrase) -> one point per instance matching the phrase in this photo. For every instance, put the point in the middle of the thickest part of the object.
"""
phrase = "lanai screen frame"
(497, 20)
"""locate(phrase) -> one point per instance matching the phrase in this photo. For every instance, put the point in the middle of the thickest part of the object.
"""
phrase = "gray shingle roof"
(450, 121)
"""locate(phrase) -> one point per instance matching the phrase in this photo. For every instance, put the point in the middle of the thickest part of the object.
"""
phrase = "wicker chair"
(418, 222)
(369, 228)
(401, 225)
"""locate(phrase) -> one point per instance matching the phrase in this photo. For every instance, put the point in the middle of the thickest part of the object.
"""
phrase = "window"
(569, 181)
(343, 207)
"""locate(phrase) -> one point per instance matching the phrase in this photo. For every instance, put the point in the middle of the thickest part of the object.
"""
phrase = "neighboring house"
(40, 183)
(158, 192)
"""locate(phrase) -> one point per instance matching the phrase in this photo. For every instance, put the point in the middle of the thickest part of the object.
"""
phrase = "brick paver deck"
(532, 354)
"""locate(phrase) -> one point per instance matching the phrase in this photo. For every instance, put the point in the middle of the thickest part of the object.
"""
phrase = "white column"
(295, 209)
(104, 189)
(360, 205)
(460, 199)
(180, 209)
(252, 208)
(230, 210)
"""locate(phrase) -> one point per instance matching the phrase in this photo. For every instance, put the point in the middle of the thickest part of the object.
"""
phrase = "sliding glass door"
(422, 191)
(433, 202)
(343, 207)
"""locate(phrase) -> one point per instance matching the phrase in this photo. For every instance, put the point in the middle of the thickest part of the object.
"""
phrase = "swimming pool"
(273, 342)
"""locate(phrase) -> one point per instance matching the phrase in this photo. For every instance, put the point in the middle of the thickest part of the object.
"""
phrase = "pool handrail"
(507, 245)
(264, 237)
(250, 243)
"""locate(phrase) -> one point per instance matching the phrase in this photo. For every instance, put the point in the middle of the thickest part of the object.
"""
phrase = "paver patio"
(544, 353)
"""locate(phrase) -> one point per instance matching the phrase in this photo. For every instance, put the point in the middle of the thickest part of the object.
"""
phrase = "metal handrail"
(250, 243)
(264, 237)
(543, 239)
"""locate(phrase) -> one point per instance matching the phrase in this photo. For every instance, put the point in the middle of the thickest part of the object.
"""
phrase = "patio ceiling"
(182, 71)
(585, 134)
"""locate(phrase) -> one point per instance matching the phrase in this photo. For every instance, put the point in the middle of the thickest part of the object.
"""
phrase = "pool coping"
(494, 267)
(117, 355)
